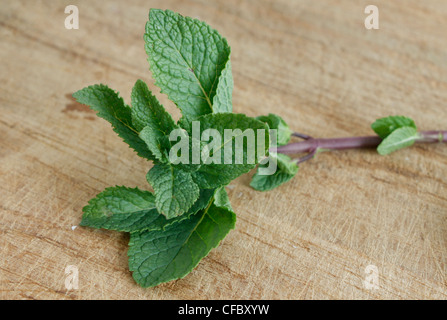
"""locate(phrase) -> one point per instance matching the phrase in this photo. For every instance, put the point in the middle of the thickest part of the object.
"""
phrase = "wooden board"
(312, 62)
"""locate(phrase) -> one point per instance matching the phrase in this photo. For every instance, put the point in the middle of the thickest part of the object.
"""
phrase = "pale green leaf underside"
(286, 170)
(111, 107)
(156, 257)
(398, 139)
(276, 122)
(385, 126)
(221, 199)
(187, 58)
(175, 190)
(152, 137)
(223, 100)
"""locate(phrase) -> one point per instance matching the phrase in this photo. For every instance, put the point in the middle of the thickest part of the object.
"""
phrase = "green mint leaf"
(213, 175)
(398, 139)
(223, 100)
(385, 126)
(286, 170)
(162, 223)
(176, 146)
(277, 123)
(175, 190)
(110, 106)
(161, 256)
(187, 58)
(151, 119)
(221, 199)
(118, 208)
(130, 210)
(146, 109)
(156, 135)
(152, 137)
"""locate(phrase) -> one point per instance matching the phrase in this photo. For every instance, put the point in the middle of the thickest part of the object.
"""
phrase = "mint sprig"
(189, 212)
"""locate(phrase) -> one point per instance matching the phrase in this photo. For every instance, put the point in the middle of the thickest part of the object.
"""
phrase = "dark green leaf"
(175, 191)
(161, 256)
(385, 126)
(147, 110)
(187, 58)
(111, 107)
(130, 210)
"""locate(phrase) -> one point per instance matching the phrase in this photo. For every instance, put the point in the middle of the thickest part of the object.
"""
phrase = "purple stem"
(433, 136)
(301, 135)
(311, 144)
(308, 156)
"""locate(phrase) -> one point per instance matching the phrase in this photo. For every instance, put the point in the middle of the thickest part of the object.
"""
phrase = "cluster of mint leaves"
(286, 168)
(189, 212)
(397, 132)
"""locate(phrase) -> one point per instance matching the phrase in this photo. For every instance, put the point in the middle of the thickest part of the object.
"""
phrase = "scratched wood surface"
(312, 62)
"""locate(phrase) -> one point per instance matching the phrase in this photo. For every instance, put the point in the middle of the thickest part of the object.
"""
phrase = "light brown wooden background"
(312, 62)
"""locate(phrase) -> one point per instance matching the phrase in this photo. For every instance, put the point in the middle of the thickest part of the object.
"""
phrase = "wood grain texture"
(312, 62)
